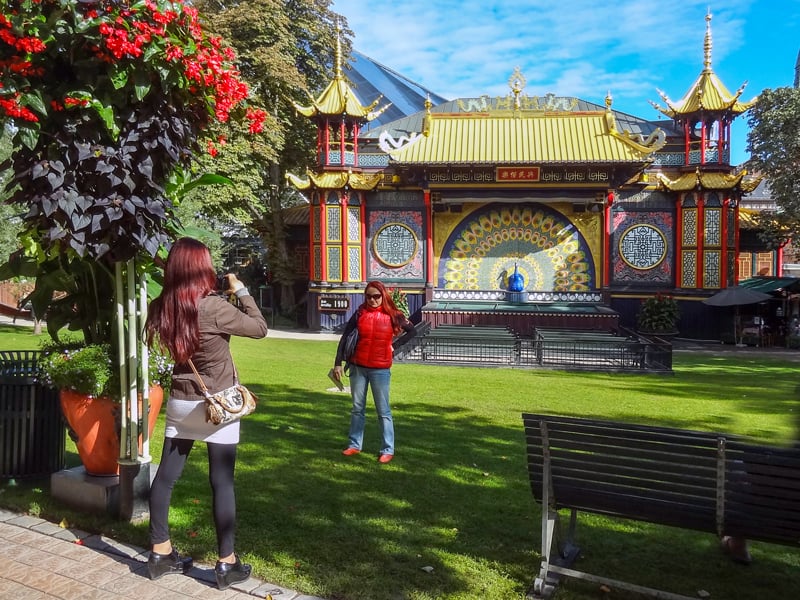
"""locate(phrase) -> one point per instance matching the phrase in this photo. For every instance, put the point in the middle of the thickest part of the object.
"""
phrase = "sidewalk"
(43, 561)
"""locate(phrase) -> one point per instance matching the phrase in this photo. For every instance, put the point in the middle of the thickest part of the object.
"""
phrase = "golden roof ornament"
(708, 93)
(338, 98)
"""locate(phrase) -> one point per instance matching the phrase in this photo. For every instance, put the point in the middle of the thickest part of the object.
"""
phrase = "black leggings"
(221, 464)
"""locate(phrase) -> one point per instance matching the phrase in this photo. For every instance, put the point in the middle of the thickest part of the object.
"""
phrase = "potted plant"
(400, 300)
(89, 385)
(107, 102)
(658, 315)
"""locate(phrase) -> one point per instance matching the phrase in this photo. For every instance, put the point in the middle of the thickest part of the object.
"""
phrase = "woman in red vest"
(379, 324)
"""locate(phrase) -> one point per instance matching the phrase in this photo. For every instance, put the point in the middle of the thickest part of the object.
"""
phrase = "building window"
(764, 264)
(395, 244)
(642, 247)
(745, 266)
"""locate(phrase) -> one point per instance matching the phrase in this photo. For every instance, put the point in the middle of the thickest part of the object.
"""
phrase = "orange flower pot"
(94, 421)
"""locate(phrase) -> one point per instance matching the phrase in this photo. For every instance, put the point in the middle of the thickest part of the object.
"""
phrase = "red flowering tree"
(108, 101)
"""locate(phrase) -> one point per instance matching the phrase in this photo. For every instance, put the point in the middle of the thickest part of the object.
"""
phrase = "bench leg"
(543, 586)
(566, 552)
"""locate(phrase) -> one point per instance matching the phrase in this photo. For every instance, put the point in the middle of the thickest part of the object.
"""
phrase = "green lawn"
(456, 498)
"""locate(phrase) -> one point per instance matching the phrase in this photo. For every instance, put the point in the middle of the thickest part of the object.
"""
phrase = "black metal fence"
(32, 430)
(546, 348)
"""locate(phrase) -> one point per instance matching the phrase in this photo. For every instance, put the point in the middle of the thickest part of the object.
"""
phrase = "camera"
(222, 283)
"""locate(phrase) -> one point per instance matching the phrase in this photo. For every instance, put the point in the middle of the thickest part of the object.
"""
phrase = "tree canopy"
(286, 51)
(774, 145)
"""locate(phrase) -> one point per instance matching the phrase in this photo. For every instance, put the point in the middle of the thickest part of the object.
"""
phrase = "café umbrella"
(736, 296)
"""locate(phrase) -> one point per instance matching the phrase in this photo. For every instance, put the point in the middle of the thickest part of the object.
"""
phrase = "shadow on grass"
(348, 527)
(456, 499)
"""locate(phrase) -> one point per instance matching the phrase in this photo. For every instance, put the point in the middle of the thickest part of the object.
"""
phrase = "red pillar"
(428, 239)
(345, 256)
(607, 230)
(311, 219)
(679, 243)
(687, 145)
(323, 236)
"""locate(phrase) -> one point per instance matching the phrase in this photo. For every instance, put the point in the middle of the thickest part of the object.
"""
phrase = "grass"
(457, 497)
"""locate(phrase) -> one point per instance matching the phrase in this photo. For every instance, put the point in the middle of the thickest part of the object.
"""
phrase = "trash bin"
(32, 430)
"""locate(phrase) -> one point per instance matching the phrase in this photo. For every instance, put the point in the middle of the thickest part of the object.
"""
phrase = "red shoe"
(350, 451)
(385, 458)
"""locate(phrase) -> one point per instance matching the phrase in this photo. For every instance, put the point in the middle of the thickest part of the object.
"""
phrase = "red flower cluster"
(25, 45)
(256, 116)
(12, 108)
(165, 35)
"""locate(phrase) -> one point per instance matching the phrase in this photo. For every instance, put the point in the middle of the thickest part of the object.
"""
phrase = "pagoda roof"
(707, 93)
(511, 137)
(549, 103)
(710, 181)
(336, 180)
(338, 98)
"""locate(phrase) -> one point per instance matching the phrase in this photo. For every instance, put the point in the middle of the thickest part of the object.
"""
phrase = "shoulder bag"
(350, 343)
(229, 404)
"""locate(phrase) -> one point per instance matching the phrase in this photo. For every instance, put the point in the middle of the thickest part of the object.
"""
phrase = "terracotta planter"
(95, 423)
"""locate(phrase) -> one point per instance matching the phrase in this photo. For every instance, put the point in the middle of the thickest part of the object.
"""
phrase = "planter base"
(76, 488)
(120, 497)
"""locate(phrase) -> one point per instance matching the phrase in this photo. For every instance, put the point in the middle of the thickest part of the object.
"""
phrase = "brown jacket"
(219, 320)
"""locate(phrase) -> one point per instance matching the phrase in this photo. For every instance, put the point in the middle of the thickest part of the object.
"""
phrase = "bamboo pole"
(121, 362)
(144, 372)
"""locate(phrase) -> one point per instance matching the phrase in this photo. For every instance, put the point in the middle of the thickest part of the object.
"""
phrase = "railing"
(603, 351)
(547, 348)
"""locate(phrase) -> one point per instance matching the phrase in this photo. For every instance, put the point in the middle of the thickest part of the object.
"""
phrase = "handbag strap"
(203, 383)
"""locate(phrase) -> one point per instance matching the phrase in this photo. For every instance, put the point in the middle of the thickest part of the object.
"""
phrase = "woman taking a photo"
(379, 322)
(192, 321)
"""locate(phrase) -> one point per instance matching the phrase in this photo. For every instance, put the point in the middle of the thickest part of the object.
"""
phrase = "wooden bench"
(711, 482)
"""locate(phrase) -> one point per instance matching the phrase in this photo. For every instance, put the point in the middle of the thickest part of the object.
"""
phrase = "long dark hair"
(387, 306)
(172, 320)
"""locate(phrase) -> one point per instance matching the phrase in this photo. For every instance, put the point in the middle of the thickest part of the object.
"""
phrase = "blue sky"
(632, 48)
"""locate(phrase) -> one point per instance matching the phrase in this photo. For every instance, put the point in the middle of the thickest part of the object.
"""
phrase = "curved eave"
(751, 182)
(708, 93)
(709, 181)
(339, 99)
(336, 181)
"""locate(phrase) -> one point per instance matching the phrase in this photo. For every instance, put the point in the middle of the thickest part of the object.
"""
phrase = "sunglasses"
(374, 296)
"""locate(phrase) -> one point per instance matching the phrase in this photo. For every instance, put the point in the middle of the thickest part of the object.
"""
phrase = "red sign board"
(521, 174)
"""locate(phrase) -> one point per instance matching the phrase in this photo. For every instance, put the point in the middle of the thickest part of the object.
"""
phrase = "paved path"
(43, 561)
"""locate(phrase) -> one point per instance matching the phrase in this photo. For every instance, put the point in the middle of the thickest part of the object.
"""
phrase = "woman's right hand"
(338, 372)
(234, 284)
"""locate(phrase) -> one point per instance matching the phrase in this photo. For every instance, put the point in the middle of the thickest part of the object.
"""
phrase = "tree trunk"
(280, 261)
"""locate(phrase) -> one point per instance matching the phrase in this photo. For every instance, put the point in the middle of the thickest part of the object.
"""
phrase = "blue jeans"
(378, 381)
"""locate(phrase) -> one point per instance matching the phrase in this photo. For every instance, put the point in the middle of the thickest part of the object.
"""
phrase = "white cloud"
(578, 47)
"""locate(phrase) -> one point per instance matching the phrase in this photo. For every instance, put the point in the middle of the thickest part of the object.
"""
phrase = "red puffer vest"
(374, 348)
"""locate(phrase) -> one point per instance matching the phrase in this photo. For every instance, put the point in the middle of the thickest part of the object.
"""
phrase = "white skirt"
(186, 419)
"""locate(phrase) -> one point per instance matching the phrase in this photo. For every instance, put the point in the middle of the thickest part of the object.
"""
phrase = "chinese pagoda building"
(594, 208)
